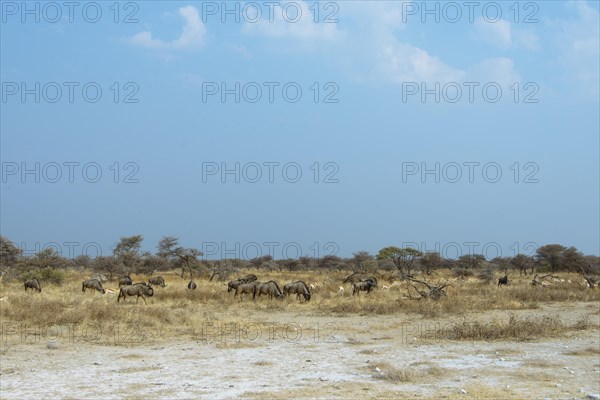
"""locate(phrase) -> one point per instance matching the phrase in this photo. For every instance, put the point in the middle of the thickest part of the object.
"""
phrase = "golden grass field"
(383, 345)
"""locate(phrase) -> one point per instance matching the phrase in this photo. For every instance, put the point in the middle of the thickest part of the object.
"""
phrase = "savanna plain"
(480, 341)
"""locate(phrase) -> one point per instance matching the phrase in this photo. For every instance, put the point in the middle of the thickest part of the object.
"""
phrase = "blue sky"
(167, 126)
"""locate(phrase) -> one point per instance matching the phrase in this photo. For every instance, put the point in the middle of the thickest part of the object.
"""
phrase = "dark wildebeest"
(92, 284)
(125, 281)
(158, 281)
(503, 280)
(246, 288)
(192, 285)
(233, 285)
(365, 286)
(240, 281)
(139, 290)
(248, 278)
(270, 288)
(298, 288)
(33, 284)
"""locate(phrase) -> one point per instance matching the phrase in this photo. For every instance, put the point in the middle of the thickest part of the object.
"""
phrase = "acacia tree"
(573, 259)
(127, 251)
(551, 255)
(470, 261)
(168, 247)
(330, 262)
(9, 255)
(258, 262)
(431, 261)
(305, 262)
(108, 265)
(151, 263)
(522, 262)
(403, 259)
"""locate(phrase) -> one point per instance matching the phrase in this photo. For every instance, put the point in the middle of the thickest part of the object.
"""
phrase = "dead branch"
(540, 281)
(433, 292)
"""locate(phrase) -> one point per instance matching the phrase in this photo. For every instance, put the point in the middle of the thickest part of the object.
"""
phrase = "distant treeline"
(127, 257)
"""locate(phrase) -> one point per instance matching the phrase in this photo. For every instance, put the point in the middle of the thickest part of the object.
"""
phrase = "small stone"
(593, 396)
(558, 385)
(97, 363)
(463, 391)
(377, 369)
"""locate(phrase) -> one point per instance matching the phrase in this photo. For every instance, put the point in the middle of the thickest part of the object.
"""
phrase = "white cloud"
(402, 62)
(496, 33)
(192, 79)
(500, 70)
(503, 34)
(304, 29)
(192, 35)
(579, 44)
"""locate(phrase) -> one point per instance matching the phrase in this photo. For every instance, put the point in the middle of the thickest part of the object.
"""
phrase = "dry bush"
(589, 351)
(517, 328)
(412, 373)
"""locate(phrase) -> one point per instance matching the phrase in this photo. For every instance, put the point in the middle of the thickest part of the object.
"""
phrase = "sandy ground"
(286, 355)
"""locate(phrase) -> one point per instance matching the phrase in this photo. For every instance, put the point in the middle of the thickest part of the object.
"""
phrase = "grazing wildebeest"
(125, 281)
(233, 285)
(248, 278)
(270, 288)
(192, 285)
(246, 288)
(158, 281)
(503, 280)
(92, 284)
(298, 288)
(139, 290)
(366, 286)
(33, 284)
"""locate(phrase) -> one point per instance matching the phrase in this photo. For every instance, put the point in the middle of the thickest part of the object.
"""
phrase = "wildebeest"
(158, 281)
(33, 284)
(249, 278)
(246, 288)
(92, 284)
(125, 281)
(365, 286)
(298, 288)
(192, 285)
(139, 290)
(233, 285)
(503, 280)
(270, 288)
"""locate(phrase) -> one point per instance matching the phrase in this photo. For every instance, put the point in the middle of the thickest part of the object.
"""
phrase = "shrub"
(46, 275)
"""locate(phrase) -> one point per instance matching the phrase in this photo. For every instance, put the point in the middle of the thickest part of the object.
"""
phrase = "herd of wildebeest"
(248, 285)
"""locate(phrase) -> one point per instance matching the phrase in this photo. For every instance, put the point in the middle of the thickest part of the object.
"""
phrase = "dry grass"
(589, 351)
(539, 363)
(414, 373)
(175, 311)
(517, 328)
(263, 363)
